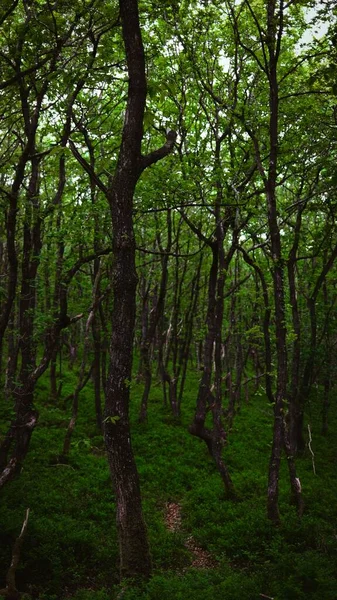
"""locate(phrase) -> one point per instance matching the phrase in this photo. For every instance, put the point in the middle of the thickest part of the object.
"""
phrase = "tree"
(134, 551)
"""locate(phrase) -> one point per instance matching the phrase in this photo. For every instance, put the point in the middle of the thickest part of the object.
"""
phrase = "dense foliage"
(168, 194)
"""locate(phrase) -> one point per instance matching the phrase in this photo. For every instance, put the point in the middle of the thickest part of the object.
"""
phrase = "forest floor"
(201, 558)
(204, 546)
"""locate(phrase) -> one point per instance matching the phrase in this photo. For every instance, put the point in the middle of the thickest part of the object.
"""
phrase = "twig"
(311, 452)
(266, 597)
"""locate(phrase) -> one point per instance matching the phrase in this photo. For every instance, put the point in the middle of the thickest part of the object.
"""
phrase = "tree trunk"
(308, 372)
(134, 550)
(189, 321)
(135, 558)
(296, 354)
(279, 441)
(153, 319)
(214, 438)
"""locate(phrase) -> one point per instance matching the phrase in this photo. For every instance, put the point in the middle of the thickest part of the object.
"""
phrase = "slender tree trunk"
(53, 376)
(96, 372)
(154, 319)
(189, 321)
(13, 351)
(266, 328)
(83, 380)
(327, 366)
(279, 441)
(326, 399)
(296, 353)
(23, 392)
(214, 438)
(278, 276)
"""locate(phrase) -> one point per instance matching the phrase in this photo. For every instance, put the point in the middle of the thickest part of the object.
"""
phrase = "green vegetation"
(168, 277)
(71, 551)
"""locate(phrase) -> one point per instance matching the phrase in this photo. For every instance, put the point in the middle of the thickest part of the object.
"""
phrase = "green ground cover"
(70, 550)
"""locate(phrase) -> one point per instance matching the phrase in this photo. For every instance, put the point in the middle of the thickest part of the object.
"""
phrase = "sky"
(318, 30)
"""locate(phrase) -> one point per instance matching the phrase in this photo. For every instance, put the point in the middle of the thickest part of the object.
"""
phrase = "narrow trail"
(202, 559)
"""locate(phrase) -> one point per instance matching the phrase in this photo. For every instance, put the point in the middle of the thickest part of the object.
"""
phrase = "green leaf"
(114, 420)
(149, 118)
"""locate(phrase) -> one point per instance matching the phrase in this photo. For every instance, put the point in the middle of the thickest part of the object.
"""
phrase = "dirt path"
(202, 559)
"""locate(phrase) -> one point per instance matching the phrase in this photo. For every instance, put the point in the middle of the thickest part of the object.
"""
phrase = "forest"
(168, 293)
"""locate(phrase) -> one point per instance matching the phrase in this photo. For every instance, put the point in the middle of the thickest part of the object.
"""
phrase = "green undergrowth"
(70, 550)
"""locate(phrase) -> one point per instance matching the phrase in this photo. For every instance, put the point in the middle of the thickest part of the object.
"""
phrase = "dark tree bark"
(147, 297)
(96, 371)
(135, 558)
(153, 320)
(309, 367)
(266, 324)
(96, 331)
(189, 322)
(206, 400)
(10, 592)
(296, 351)
(174, 354)
(235, 355)
(271, 46)
(12, 351)
(83, 377)
(274, 31)
(327, 373)
(277, 269)
(214, 438)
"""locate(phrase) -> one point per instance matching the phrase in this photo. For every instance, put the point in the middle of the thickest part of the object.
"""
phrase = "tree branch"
(157, 155)
(88, 168)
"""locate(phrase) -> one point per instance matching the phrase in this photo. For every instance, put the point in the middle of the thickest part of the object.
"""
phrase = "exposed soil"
(202, 559)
